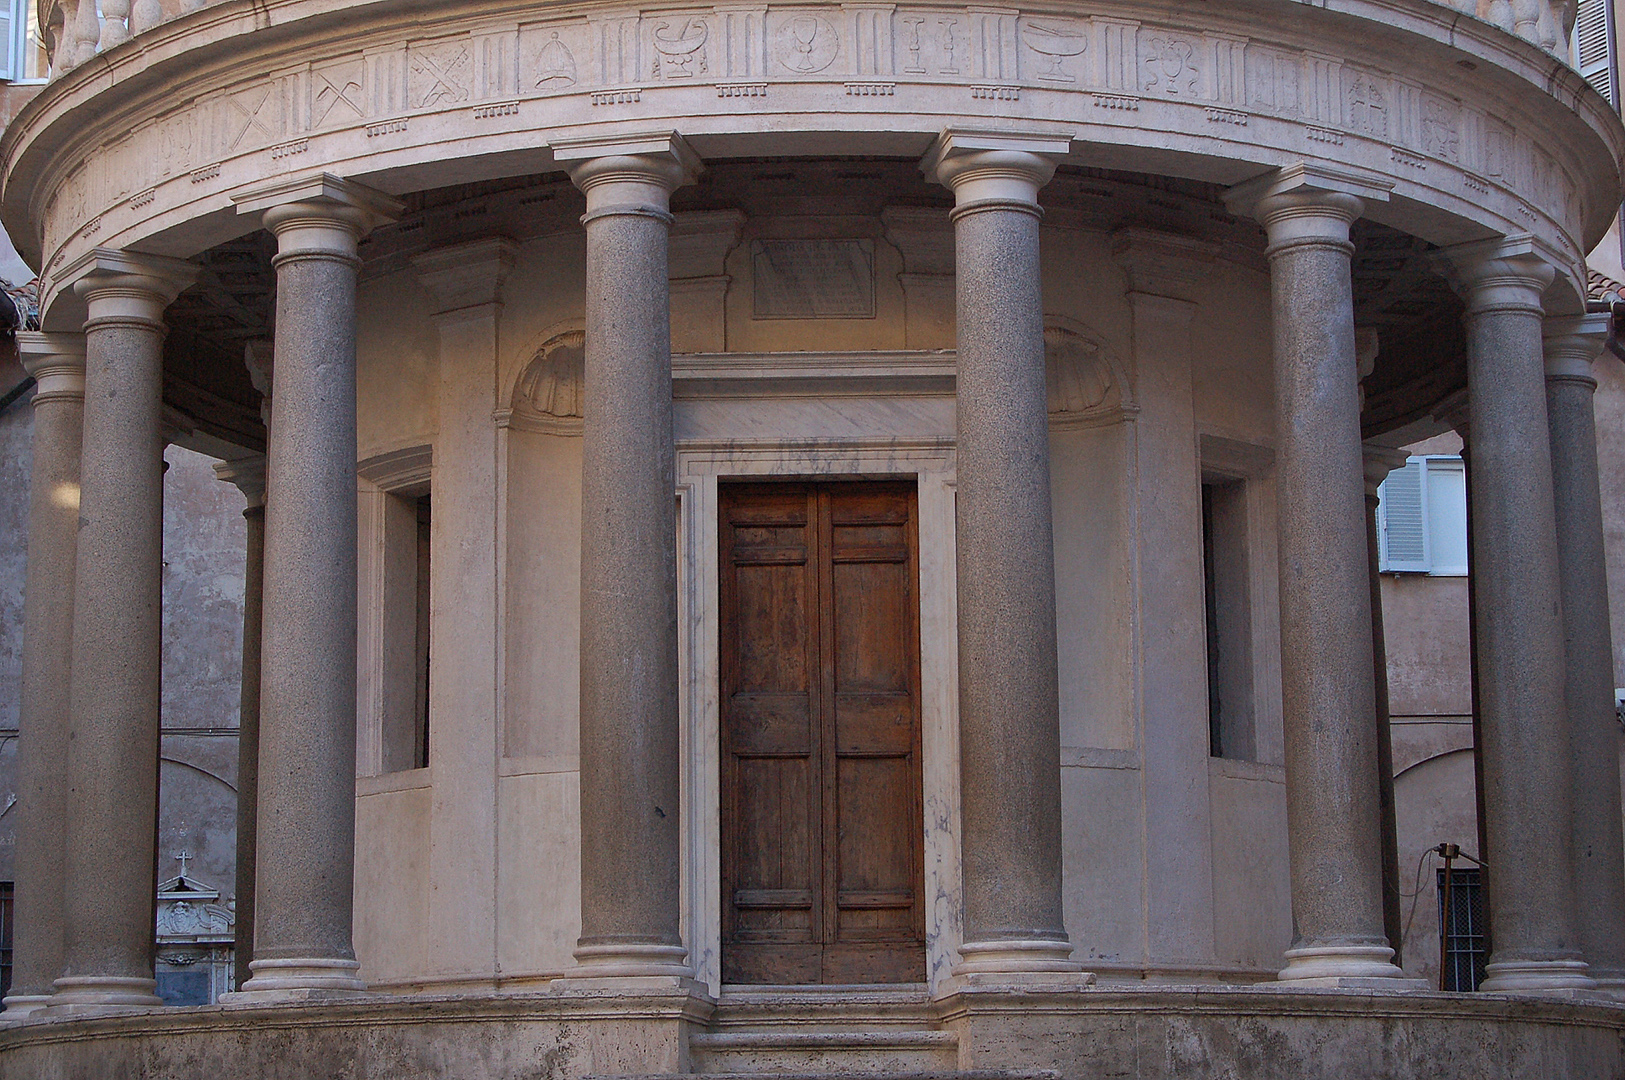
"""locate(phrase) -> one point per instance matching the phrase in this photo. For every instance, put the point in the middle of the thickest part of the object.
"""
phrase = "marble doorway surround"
(700, 467)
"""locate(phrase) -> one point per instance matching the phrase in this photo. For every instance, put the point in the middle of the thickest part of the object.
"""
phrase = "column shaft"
(630, 854)
(249, 475)
(109, 892)
(1379, 462)
(1518, 593)
(305, 831)
(1009, 698)
(57, 362)
(1328, 689)
(305, 843)
(1599, 863)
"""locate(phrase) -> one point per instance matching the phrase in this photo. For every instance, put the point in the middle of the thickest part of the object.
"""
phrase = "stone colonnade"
(84, 928)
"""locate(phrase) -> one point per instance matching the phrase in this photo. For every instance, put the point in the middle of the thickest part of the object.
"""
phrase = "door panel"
(821, 805)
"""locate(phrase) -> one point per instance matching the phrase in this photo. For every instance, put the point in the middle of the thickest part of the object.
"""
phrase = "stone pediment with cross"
(190, 911)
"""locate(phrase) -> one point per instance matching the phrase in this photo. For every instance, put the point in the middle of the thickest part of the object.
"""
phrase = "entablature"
(1481, 133)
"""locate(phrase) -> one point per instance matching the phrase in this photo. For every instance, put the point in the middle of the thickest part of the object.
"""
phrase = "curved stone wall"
(1472, 131)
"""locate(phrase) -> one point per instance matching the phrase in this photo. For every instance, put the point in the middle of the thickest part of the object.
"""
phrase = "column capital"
(1162, 263)
(127, 286)
(1506, 274)
(1307, 203)
(629, 174)
(248, 473)
(1379, 461)
(56, 362)
(318, 215)
(466, 276)
(989, 170)
(1571, 344)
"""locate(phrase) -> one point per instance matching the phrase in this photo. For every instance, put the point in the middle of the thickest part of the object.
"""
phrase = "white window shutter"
(1447, 516)
(1401, 521)
(1595, 48)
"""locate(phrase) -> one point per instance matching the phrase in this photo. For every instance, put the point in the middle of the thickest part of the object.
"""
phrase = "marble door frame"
(700, 467)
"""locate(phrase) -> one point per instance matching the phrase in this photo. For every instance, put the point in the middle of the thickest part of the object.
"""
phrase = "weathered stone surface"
(1153, 1034)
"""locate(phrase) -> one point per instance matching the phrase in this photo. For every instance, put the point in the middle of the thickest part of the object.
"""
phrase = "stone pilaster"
(1328, 691)
(112, 792)
(1599, 864)
(630, 853)
(1517, 589)
(57, 363)
(305, 842)
(465, 284)
(1164, 274)
(1009, 698)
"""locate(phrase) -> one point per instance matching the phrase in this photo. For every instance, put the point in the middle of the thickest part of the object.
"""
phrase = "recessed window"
(1229, 619)
(406, 632)
(1422, 518)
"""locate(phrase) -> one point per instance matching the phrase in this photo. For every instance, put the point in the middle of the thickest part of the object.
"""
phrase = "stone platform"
(1140, 1033)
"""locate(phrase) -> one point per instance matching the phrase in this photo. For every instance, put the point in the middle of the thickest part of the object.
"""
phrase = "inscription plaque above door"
(822, 820)
(812, 279)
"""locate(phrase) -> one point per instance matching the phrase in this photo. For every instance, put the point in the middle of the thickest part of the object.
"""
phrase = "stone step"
(848, 1031)
(933, 1074)
(780, 1052)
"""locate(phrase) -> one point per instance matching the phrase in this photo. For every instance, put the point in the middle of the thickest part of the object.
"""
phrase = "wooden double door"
(822, 818)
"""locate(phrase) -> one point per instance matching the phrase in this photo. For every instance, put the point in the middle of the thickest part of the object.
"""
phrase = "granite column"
(1379, 462)
(1517, 588)
(630, 840)
(57, 363)
(1328, 689)
(249, 476)
(305, 836)
(1009, 698)
(111, 802)
(1599, 863)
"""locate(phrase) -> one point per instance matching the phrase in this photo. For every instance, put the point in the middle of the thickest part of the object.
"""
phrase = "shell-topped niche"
(547, 396)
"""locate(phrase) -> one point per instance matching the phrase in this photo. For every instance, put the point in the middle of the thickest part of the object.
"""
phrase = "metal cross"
(182, 857)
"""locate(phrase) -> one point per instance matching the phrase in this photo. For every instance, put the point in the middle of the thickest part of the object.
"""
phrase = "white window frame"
(1428, 464)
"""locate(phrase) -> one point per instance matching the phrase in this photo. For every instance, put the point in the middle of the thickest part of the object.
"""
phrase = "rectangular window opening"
(1226, 581)
(406, 619)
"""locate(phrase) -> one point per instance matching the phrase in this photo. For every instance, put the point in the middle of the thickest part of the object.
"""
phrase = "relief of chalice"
(1054, 43)
(807, 44)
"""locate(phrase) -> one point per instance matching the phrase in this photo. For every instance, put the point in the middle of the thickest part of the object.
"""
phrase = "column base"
(22, 1006)
(1033, 966)
(96, 995)
(1535, 976)
(314, 979)
(618, 962)
(1345, 967)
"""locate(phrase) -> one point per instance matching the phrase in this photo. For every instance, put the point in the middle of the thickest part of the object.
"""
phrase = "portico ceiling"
(1396, 289)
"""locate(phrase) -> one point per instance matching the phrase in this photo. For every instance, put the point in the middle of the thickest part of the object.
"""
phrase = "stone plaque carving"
(813, 279)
